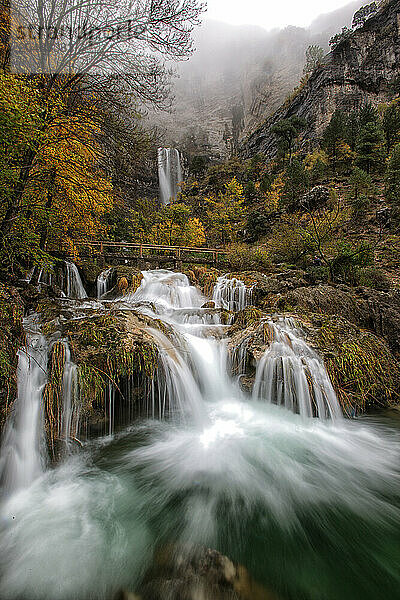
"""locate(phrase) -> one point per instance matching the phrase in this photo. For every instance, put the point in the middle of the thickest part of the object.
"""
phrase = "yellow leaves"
(171, 233)
(314, 158)
(273, 197)
(226, 213)
(234, 190)
(344, 152)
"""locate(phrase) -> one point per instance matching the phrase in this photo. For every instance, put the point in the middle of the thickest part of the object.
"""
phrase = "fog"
(237, 77)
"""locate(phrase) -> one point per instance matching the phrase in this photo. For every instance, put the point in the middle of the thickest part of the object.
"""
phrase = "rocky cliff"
(238, 76)
(363, 67)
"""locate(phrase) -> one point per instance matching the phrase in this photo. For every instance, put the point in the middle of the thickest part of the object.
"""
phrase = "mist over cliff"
(238, 76)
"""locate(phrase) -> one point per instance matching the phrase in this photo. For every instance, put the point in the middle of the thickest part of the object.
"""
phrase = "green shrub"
(373, 278)
(242, 257)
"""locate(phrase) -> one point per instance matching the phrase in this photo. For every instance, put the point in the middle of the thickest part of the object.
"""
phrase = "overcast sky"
(270, 13)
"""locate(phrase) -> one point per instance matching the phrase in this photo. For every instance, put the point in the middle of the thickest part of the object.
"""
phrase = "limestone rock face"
(361, 68)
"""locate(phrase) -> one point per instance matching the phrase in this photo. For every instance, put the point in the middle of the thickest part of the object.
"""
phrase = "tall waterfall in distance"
(169, 173)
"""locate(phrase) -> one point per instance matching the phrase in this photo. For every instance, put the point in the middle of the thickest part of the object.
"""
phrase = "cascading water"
(169, 173)
(292, 375)
(66, 276)
(70, 398)
(311, 506)
(103, 281)
(232, 294)
(74, 285)
(23, 449)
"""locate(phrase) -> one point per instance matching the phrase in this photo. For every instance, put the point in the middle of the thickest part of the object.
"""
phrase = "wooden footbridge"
(154, 253)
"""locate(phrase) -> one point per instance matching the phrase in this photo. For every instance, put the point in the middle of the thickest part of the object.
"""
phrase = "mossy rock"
(363, 370)
(367, 308)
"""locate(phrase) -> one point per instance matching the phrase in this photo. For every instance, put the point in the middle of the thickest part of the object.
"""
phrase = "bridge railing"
(149, 250)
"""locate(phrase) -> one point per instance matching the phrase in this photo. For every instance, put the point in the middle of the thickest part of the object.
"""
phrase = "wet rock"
(361, 365)
(202, 575)
(12, 336)
(210, 304)
(122, 285)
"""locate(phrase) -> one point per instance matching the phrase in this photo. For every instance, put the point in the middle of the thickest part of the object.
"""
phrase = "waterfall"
(66, 277)
(303, 503)
(23, 451)
(74, 287)
(70, 400)
(169, 173)
(291, 374)
(232, 294)
(103, 281)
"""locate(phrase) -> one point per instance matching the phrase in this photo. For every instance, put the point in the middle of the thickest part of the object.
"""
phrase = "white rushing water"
(70, 401)
(291, 374)
(232, 294)
(74, 285)
(102, 282)
(23, 448)
(169, 174)
(66, 276)
(311, 506)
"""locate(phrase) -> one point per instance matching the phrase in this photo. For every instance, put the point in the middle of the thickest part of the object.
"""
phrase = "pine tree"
(286, 132)
(370, 147)
(391, 125)
(296, 183)
(314, 56)
(392, 189)
(334, 135)
(360, 182)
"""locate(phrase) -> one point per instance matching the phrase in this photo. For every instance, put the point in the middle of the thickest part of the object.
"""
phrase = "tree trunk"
(14, 206)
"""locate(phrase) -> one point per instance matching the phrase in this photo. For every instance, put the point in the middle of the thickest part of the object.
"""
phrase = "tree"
(72, 40)
(333, 138)
(364, 13)
(392, 188)
(175, 226)
(317, 233)
(352, 127)
(314, 57)
(79, 51)
(360, 182)
(226, 214)
(391, 125)
(287, 131)
(337, 39)
(64, 192)
(316, 165)
(296, 183)
(370, 147)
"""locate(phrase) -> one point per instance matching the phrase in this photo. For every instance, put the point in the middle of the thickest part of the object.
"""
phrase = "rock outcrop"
(361, 68)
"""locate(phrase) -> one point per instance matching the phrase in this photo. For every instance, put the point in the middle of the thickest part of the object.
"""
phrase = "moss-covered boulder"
(364, 372)
(371, 309)
(363, 369)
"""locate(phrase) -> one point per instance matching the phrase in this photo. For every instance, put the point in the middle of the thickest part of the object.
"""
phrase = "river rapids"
(310, 506)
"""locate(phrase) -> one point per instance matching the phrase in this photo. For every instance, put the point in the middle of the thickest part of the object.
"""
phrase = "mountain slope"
(362, 68)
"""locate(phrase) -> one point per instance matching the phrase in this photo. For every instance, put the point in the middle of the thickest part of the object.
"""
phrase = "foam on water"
(311, 506)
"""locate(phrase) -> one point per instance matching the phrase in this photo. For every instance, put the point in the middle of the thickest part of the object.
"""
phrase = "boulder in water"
(209, 304)
(204, 574)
